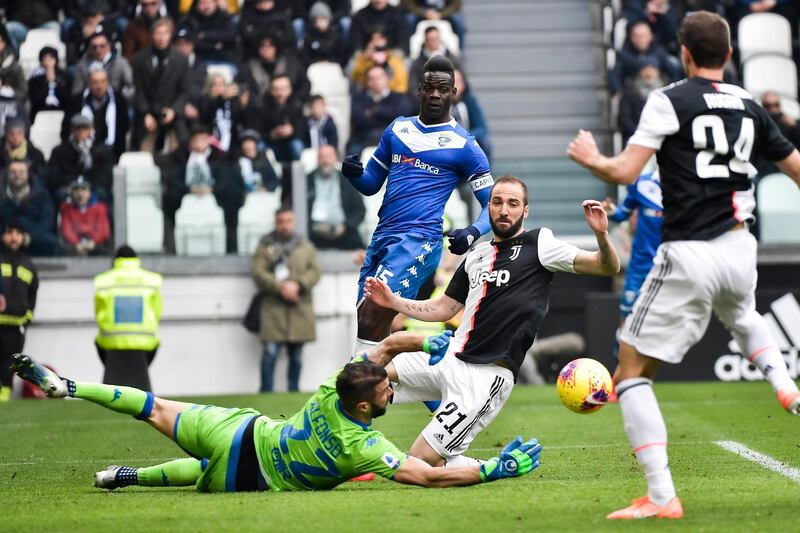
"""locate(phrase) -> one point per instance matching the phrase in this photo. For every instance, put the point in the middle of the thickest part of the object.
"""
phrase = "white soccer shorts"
(688, 281)
(472, 396)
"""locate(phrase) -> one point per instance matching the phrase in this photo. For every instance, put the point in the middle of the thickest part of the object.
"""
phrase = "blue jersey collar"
(350, 418)
(452, 123)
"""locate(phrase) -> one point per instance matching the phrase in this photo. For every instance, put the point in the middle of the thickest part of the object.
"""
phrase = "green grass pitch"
(50, 449)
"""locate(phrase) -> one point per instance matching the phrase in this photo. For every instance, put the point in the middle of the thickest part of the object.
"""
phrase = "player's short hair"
(707, 37)
(510, 178)
(439, 64)
(431, 29)
(357, 381)
(282, 210)
(125, 251)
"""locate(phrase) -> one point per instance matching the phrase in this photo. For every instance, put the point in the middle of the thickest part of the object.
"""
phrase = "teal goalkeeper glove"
(436, 345)
(516, 459)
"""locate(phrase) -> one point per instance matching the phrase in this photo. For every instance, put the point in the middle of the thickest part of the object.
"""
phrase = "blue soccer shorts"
(404, 262)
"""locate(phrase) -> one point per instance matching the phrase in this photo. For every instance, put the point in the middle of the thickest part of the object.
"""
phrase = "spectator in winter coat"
(138, 36)
(100, 53)
(320, 129)
(379, 14)
(260, 18)
(641, 45)
(48, 89)
(84, 228)
(24, 200)
(322, 41)
(16, 147)
(214, 31)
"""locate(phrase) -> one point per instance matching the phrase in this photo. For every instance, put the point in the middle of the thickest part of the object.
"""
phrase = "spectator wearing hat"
(256, 171)
(24, 200)
(265, 17)
(322, 41)
(339, 17)
(635, 95)
(320, 129)
(138, 33)
(48, 88)
(100, 53)
(25, 15)
(214, 31)
(84, 227)
(101, 104)
(80, 155)
(335, 208)
(378, 53)
(271, 62)
(16, 147)
(12, 78)
(203, 169)
(161, 74)
(184, 43)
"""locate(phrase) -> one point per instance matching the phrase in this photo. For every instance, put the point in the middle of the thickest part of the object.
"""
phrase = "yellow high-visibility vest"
(127, 306)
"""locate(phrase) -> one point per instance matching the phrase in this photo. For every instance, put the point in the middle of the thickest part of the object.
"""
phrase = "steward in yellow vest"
(127, 306)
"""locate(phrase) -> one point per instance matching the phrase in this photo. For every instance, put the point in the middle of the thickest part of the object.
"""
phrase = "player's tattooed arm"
(434, 310)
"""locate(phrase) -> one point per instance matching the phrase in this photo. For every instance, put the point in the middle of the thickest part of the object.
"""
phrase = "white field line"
(770, 463)
(140, 460)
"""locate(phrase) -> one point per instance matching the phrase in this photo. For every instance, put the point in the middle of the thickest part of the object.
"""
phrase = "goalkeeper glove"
(436, 345)
(516, 459)
(352, 167)
(462, 239)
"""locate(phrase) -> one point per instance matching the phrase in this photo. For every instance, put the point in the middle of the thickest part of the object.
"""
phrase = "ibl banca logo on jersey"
(783, 322)
(415, 162)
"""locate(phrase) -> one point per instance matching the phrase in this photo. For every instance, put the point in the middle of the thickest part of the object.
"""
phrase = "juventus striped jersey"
(705, 132)
(505, 289)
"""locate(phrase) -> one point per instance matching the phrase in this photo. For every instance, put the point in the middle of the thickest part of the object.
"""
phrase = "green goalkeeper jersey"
(321, 446)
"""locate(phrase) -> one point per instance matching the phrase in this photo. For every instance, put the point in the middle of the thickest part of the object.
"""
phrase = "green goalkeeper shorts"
(218, 436)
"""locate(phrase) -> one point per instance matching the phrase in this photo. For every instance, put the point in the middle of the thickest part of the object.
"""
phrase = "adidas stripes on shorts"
(472, 396)
(688, 281)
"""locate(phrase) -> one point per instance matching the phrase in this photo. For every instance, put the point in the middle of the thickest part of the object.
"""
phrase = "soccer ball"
(584, 385)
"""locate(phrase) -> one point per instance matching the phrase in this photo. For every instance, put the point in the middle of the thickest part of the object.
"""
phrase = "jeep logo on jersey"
(415, 162)
(498, 277)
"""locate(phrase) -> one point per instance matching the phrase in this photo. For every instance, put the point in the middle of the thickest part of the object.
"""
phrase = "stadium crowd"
(217, 91)
(648, 57)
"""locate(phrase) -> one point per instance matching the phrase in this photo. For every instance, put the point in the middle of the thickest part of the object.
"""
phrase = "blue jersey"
(644, 195)
(422, 165)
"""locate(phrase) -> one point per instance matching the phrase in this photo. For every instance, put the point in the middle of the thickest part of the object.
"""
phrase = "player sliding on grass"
(504, 288)
(704, 131)
(327, 443)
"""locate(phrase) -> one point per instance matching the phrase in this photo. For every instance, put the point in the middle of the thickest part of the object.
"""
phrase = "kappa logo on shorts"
(391, 461)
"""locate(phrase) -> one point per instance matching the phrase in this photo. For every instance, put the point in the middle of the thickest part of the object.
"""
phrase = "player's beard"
(378, 410)
(510, 231)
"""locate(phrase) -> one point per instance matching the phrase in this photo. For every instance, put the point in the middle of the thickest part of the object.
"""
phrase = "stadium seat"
(457, 211)
(764, 33)
(790, 107)
(199, 226)
(145, 224)
(620, 33)
(256, 218)
(46, 131)
(136, 159)
(309, 159)
(778, 209)
(608, 25)
(371, 203)
(36, 40)
(770, 73)
(327, 79)
(141, 180)
(449, 38)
